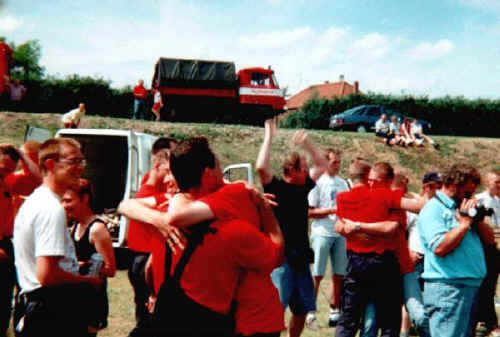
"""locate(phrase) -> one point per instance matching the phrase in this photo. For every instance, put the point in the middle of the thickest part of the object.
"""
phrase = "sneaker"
(334, 317)
(311, 321)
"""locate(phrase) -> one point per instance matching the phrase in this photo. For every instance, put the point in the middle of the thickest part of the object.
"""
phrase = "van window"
(107, 162)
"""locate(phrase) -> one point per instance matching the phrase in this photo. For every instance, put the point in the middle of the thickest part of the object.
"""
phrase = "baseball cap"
(432, 176)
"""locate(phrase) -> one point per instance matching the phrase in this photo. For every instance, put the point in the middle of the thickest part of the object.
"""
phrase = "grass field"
(236, 144)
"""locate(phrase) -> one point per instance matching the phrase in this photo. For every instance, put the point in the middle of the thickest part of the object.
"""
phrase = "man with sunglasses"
(45, 257)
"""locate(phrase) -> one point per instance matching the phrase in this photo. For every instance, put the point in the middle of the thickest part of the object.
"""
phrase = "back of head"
(400, 182)
(460, 174)
(52, 148)
(188, 162)
(10, 151)
(384, 170)
(292, 161)
(163, 143)
(359, 170)
(84, 188)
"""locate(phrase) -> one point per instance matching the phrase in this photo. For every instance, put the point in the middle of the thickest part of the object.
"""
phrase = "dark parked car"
(362, 118)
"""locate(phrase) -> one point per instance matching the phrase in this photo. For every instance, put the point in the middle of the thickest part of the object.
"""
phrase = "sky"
(411, 47)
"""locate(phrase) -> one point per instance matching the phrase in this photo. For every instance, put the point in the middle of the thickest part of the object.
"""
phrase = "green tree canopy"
(26, 61)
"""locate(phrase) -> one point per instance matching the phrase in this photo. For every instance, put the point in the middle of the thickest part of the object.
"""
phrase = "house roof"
(326, 90)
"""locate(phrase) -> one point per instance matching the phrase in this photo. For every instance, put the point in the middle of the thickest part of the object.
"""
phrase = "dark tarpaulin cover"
(195, 74)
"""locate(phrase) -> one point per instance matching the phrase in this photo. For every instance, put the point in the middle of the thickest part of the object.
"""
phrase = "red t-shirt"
(158, 250)
(166, 187)
(366, 204)
(140, 233)
(258, 304)
(140, 92)
(212, 274)
(401, 249)
(16, 185)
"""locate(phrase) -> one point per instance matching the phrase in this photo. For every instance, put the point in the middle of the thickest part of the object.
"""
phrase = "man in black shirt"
(293, 279)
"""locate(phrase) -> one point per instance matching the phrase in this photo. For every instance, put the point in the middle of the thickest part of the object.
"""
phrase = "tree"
(26, 61)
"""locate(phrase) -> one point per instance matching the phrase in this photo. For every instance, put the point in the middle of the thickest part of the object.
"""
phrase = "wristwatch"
(357, 227)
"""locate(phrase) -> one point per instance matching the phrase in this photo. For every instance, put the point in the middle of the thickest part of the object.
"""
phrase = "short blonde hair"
(51, 149)
(359, 170)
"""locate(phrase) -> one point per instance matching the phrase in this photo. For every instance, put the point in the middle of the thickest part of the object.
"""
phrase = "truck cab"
(258, 86)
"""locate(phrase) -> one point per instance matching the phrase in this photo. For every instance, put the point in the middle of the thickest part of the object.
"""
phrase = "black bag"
(178, 315)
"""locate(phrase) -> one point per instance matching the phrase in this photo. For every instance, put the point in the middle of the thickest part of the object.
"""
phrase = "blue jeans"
(451, 308)
(413, 302)
(372, 278)
(295, 287)
(139, 109)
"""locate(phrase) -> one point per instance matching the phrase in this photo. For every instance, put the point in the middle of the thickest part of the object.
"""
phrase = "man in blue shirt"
(454, 264)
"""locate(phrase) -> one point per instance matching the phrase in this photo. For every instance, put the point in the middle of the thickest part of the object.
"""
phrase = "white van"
(117, 160)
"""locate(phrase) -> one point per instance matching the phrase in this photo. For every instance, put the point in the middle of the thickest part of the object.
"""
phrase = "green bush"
(59, 95)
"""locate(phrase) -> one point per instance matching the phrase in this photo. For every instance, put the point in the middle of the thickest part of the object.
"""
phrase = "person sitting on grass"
(417, 133)
(404, 132)
(382, 129)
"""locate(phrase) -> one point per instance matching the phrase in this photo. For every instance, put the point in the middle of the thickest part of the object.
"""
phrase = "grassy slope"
(241, 144)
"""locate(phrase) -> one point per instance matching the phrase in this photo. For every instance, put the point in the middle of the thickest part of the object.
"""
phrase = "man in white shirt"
(72, 118)
(17, 92)
(490, 198)
(324, 240)
(382, 129)
(52, 291)
(417, 134)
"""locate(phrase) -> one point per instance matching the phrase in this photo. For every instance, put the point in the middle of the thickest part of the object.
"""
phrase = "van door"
(38, 134)
(241, 171)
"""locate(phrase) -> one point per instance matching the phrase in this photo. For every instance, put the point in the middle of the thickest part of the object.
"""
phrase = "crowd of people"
(217, 258)
(407, 133)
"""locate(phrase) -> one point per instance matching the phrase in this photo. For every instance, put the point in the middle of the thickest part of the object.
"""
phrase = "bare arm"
(262, 164)
(100, 238)
(320, 213)
(30, 167)
(134, 209)
(317, 155)
(382, 228)
(413, 205)
(140, 209)
(49, 273)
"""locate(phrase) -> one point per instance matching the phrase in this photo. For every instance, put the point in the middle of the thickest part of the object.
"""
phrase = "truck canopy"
(204, 74)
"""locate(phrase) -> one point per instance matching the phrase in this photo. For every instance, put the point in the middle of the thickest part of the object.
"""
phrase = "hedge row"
(56, 95)
(448, 115)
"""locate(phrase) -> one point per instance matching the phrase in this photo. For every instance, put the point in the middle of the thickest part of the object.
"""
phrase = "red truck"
(212, 91)
(5, 60)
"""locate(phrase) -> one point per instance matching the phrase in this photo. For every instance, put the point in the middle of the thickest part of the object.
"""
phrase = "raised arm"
(318, 157)
(30, 167)
(262, 164)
